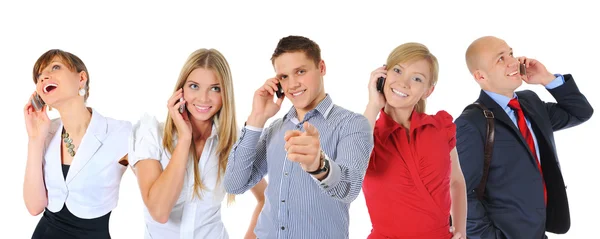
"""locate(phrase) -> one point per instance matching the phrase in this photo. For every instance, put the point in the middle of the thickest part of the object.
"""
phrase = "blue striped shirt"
(298, 205)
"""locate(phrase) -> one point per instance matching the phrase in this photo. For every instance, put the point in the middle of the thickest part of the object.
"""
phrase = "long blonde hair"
(410, 52)
(209, 59)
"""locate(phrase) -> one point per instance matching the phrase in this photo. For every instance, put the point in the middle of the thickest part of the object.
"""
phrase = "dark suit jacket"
(513, 206)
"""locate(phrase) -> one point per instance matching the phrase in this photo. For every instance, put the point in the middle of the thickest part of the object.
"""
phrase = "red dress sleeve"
(448, 127)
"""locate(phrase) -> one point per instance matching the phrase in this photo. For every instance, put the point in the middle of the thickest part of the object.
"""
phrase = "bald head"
(477, 49)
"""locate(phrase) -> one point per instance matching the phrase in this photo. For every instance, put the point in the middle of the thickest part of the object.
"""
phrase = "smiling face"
(301, 79)
(59, 76)
(202, 92)
(496, 69)
(407, 83)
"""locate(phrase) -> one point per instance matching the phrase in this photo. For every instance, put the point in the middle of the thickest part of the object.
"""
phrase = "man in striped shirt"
(315, 156)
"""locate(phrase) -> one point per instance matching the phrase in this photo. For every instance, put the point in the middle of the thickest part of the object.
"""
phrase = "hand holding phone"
(36, 119)
(176, 105)
(263, 105)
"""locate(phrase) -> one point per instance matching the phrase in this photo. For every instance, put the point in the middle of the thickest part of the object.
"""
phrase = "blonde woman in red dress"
(414, 181)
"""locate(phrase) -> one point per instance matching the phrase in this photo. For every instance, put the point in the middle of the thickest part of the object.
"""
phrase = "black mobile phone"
(522, 69)
(182, 106)
(279, 91)
(37, 102)
(380, 84)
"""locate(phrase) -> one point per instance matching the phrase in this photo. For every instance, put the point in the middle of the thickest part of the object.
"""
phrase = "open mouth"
(398, 93)
(49, 88)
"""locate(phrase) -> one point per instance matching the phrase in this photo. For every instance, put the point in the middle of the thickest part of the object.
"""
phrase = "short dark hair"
(292, 44)
(70, 60)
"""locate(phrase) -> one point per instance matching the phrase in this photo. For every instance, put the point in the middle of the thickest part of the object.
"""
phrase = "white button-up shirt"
(191, 217)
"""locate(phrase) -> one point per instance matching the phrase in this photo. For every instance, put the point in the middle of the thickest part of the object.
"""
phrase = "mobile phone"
(182, 106)
(522, 69)
(279, 91)
(37, 102)
(380, 84)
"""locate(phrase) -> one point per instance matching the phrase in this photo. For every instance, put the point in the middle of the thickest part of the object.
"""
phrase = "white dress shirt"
(191, 217)
(91, 189)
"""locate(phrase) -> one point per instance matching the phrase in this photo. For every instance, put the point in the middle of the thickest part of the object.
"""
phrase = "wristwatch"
(324, 165)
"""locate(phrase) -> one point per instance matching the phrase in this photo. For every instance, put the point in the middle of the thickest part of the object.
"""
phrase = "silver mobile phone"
(37, 102)
(182, 106)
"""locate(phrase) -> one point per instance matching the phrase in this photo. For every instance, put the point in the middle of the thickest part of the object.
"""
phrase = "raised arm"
(343, 181)
(34, 188)
(571, 107)
(376, 98)
(160, 188)
(247, 163)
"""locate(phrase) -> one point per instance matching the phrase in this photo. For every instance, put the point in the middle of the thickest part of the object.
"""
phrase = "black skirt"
(65, 225)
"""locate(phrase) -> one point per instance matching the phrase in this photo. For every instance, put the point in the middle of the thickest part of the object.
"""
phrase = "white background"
(134, 51)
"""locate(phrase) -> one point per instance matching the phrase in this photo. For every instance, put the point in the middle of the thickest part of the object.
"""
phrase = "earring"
(82, 92)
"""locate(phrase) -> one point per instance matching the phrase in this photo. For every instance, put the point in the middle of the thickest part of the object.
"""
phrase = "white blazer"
(191, 217)
(91, 188)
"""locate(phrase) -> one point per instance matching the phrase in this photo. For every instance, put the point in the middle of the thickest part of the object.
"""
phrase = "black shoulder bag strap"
(487, 151)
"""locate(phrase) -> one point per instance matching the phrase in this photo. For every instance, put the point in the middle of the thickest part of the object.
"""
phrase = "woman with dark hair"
(75, 162)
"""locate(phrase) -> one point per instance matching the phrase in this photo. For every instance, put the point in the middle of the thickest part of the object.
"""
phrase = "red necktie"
(514, 104)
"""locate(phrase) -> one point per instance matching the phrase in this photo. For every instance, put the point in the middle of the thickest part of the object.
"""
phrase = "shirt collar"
(385, 125)
(501, 100)
(214, 131)
(324, 108)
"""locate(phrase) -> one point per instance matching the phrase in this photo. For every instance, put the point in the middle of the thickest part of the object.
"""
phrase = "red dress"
(407, 184)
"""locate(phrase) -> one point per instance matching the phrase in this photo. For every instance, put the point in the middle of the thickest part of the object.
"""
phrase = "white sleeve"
(145, 140)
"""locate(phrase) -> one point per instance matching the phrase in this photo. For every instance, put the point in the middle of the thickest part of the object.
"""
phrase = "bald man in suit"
(524, 194)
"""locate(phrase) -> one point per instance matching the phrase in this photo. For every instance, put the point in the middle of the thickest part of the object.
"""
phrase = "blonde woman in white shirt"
(180, 164)
(74, 163)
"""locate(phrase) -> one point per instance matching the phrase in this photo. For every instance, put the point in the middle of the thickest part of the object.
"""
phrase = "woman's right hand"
(36, 122)
(181, 120)
(376, 98)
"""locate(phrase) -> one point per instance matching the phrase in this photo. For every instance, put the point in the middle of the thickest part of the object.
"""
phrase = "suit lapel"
(501, 115)
(90, 143)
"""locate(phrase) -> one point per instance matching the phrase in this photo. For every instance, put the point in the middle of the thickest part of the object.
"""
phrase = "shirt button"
(286, 173)
(325, 186)
(282, 228)
(283, 200)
